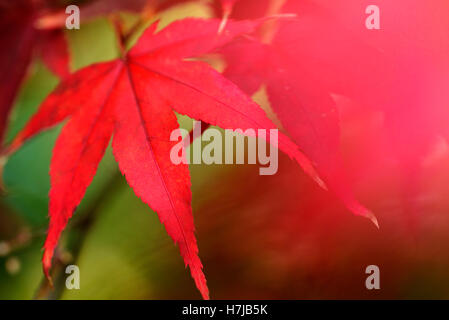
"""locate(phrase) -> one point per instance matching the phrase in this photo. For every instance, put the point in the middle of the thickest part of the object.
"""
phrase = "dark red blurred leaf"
(22, 40)
(53, 49)
(304, 106)
(400, 70)
(16, 36)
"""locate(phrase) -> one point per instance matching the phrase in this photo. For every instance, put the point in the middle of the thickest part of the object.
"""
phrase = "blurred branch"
(64, 257)
(23, 239)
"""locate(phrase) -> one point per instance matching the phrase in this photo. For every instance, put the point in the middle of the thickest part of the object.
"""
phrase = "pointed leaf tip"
(46, 265)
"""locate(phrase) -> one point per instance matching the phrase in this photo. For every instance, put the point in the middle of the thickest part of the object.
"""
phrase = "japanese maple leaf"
(23, 39)
(304, 106)
(401, 71)
(133, 99)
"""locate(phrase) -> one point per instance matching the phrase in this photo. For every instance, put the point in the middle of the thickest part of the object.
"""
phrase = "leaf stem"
(120, 34)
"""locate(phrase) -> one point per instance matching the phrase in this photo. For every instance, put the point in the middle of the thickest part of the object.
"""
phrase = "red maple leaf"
(133, 99)
(304, 106)
(399, 71)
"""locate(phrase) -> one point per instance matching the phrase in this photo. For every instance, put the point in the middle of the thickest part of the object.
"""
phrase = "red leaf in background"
(400, 70)
(304, 107)
(133, 99)
(407, 64)
(23, 40)
(52, 47)
(15, 59)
